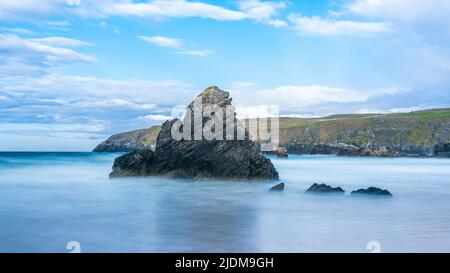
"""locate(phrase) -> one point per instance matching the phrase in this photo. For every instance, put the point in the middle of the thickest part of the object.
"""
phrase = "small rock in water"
(279, 187)
(373, 191)
(324, 188)
(281, 152)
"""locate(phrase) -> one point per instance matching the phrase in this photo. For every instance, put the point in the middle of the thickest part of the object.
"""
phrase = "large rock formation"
(200, 159)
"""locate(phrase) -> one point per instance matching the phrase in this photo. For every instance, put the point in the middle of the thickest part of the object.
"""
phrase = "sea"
(66, 202)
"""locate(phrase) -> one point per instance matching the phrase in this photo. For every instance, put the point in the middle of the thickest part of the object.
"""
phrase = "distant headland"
(423, 133)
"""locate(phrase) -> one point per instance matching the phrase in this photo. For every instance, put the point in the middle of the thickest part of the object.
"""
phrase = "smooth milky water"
(49, 199)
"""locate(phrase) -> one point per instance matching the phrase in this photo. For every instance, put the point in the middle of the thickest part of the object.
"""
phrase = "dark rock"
(442, 150)
(324, 188)
(134, 164)
(280, 152)
(372, 191)
(379, 152)
(278, 187)
(199, 159)
(321, 148)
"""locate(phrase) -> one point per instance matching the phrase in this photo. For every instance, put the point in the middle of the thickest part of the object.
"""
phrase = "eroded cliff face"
(201, 158)
(422, 133)
(137, 140)
(416, 133)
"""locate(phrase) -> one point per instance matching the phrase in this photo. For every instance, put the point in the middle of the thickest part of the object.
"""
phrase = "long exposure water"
(49, 199)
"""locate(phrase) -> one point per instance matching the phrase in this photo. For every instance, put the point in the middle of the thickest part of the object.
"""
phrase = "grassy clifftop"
(414, 132)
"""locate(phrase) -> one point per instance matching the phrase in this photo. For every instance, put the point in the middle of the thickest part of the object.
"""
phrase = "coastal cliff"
(137, 140)
(420, 133)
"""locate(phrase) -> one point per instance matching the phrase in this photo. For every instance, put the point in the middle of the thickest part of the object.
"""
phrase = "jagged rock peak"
(213, 96)
(199, 158)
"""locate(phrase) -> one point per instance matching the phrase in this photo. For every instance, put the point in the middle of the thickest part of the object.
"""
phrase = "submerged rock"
(324, 188)
(278, 187)
(372, 191)
(202, 158)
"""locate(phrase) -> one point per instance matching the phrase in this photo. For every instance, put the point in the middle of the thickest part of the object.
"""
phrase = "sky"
(73, 72)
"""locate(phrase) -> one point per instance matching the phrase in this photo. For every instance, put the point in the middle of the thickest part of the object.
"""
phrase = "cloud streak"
(298, 98)
(326, 27)
(26, 10)
(39, 50)
(175, 44)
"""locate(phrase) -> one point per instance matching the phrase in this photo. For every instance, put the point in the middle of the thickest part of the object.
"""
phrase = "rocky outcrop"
(324, 188)
(137, 140)
(279, 152)
(372, 191)
(442, 150)
(278, 187)
(378, 152)
(322, 148)
(203, 158)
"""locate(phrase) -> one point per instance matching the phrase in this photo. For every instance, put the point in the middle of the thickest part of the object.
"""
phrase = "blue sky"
(72, 72)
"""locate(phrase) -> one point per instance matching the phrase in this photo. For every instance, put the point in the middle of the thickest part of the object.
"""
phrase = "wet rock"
(324, 188)
(278, 187)
(372, 191)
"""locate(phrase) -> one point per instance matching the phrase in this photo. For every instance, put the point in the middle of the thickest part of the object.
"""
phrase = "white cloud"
(73, 2)
(174, 8)
(407, 109)
(403, 10)
(162, 41)
(4, 98)
(112, 103)
(33, 50)
(327, 27)
(197, 53)
(12, 66)
(29, 10)
(60, 41)
(113, 28)
(21, 10)
(144, 93)
(294, 97)
(277, 23)
(17, 30)
(155, 118)
(45, 129)
(261, 11)
(176, 44)
(58, 25)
